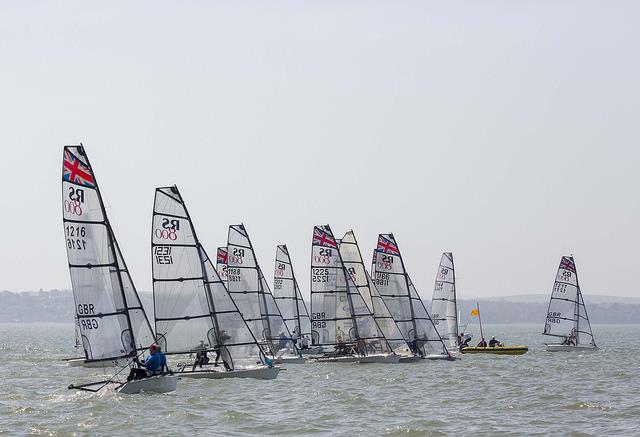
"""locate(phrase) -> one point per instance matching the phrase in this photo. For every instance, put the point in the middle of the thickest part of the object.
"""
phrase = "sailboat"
(195, 314)
(498, 349)
(444, 311)
(352, 259)
(287, 294)
(402, 298)
(111, 322)
(341, 323)
(567, 317)
(249, 289)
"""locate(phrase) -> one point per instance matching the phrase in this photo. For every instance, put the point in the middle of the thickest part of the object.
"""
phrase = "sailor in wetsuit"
(483, 343)
(155, 362)
(493, 342)
(202, 358)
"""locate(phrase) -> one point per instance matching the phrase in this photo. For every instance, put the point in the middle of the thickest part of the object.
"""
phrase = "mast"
(480, 321)
(455, 302)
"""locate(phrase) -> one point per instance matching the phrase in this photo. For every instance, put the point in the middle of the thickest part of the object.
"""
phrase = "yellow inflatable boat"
(498, 350)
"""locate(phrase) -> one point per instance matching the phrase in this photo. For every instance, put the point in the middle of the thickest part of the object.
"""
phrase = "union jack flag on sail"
(75, 171)
(386, 246)
(221, 257)
(321, 238)
(568, 264)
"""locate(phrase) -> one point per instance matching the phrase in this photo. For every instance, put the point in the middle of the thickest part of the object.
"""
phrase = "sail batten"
(111, 321)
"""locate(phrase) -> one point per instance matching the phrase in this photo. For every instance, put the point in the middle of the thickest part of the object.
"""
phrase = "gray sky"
(504, 131)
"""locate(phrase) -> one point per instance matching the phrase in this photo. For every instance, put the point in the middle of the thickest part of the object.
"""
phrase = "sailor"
(201, 356)
(464, 342)
(569, 341)
(304, 342)
(493, 342)
(483, 343)
(282, 340)
(155, 362)
(268, 361)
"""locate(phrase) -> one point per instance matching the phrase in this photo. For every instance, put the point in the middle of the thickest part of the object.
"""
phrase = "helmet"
(153, 347)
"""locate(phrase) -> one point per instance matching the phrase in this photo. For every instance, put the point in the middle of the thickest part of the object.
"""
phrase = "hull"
(256, 373)
(500, 350)
(80, 362)
(155, 384)
(311, 351)
(290, 360)
(381, 358)
(377, 358)
(410, 358)
(569, 348)
(329, 359)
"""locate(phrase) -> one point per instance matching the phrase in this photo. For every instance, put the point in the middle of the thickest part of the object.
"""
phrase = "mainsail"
(444, 312)
(194, 311)
(250, 291)
(221, 262)
(567, 315)
(111, 320)
(402, 298)
(288, 297)
(352, 259)
(339, 314)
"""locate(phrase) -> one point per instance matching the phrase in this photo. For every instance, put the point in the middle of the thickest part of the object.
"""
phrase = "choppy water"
(537, 393)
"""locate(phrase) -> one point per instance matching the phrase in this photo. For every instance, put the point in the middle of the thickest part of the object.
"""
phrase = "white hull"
(569, 348)
(345, 359)
(378, 358)
(155, 384)
(80, 362)
(257, 373)
(381, 358)
(290, 360)
(410, 358)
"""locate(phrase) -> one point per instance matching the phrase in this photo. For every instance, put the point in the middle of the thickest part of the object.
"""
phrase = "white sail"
(194, 311)
(251, 293)
(221, 263)
(111, 320)
(443, 304)
(567, 315)
(339, 314)
(288, 297)
(402, 299)
(354, 264)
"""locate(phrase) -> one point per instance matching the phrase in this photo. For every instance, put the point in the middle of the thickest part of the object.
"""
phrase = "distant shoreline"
(57, 306)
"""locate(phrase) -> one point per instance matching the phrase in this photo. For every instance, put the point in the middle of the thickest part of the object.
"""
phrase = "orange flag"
(475, 312)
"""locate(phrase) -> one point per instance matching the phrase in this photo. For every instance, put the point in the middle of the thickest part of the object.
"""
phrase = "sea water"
(539, 393)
